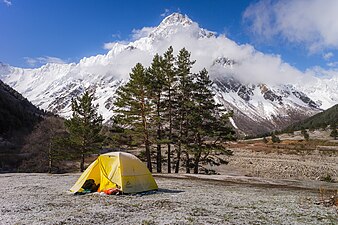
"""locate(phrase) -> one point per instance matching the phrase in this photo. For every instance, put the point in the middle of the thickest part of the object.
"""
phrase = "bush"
(305, 135)
(265, 140)
(327, 178)
(275, 139)
(334, 133)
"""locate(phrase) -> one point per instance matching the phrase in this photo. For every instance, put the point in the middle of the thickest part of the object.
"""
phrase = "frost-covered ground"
(43, 199)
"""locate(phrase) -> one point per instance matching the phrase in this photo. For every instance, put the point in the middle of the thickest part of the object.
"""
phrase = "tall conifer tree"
(85, 126)
(156, 75)
(170, 81)
(183, 99)
(203, 118)
(134, 108)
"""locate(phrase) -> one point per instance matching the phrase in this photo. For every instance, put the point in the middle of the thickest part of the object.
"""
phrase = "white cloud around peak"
(43, 60)
(111, 45)
(140, 33)
(310, 22)
(251, 65)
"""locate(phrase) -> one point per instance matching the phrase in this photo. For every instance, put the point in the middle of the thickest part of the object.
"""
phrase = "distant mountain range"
(260, 105)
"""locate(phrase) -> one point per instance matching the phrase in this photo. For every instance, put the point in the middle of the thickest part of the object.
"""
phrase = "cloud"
(140, 33)
(43, 60)
(320, 72)
(117, 35)
(251, 65)
(332, 64)
(165, 13)
(109, 45)
(7, 2)
(309, 22)
(328, 55)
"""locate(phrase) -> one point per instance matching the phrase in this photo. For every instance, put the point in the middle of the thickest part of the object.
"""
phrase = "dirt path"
(43, 199)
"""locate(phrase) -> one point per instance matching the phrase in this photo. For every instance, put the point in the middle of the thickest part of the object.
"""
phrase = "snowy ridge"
(324, 91)
(270, 104)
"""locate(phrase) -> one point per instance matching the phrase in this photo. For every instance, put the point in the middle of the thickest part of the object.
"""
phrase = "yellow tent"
(118, 168)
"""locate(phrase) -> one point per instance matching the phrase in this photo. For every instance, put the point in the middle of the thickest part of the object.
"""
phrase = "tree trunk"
(187, 167)
(198, 153)
(197, 161)
(50, 162)
(159, 137)
(82, 161)
(177, 167)
(169, 161)
(147, 145)
(148, 155)
(170, 135)
(159, 159)
(146, 135)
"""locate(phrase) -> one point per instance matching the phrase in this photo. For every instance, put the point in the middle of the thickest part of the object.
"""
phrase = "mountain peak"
(176, 22)
(176, 18)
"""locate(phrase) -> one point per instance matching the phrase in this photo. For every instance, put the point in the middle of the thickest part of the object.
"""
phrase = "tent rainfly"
(118, 168)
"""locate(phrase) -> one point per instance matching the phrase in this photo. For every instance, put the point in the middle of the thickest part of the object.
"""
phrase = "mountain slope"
(16, 112)
(17, 118)
(245, 80)
(320, 120)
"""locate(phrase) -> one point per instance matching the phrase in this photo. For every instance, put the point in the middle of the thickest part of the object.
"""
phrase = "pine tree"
(169, 87)
(305, 134)
(205, 120)
(156, 75)
(134, 108)
(183, 99)
(202, 116)
(84, 126)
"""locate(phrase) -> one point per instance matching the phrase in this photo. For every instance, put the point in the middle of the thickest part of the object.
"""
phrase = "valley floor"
(44, 199)
(282, 161)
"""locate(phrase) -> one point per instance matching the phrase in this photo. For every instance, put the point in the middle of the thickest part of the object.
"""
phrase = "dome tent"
(118, 168)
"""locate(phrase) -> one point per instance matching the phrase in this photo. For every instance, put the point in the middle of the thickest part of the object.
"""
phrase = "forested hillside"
(320, 120)
(17, 118)
(16, 112)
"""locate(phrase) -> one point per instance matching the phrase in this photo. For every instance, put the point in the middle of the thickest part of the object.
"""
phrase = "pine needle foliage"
(134, 108)
(84, 127)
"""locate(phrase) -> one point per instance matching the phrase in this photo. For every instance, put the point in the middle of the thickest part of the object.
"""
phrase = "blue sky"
(68, 30)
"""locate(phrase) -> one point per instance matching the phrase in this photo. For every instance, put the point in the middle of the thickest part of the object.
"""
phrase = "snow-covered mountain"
(264, 92)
